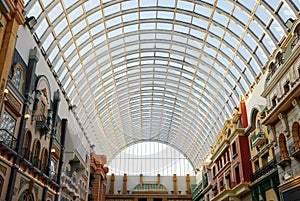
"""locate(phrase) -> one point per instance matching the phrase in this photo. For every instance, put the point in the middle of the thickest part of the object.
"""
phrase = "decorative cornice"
(281, 71)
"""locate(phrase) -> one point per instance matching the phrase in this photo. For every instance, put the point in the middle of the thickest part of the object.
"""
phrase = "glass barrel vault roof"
(157, 70)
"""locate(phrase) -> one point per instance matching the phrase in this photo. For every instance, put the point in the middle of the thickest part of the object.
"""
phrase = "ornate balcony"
(259, 139)
(294, 153)
(69, 183)
(283, 161)
(7, 142)
(41, 123)
(263, 170)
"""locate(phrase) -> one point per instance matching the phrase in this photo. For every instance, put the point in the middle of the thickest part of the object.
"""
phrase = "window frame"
(22, 80)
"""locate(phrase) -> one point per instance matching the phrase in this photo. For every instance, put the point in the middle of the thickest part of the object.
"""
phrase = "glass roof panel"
(90, 4)
(155, 71)
(75, 14)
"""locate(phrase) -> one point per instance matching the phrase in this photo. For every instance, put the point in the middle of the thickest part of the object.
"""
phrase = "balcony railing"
(70, 182)
(294, 153)
(41, 123)
(197, 190)
(33, 160)
(263, 170)
(258, 139)
(283, 159)
(8, 139)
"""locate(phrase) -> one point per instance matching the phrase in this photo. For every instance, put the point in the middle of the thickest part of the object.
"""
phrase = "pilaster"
(13, 18)
(188, 184)
(124, 184)
(112, 184)
(175, 184)
(296, 104)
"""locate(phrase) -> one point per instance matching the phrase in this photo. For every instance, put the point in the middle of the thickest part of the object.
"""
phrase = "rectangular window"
(8, 123)
(7, 128)
(53, 165)
(274, 101)
(286, 87)
(237, 175)
(234, 150)
(256, 165)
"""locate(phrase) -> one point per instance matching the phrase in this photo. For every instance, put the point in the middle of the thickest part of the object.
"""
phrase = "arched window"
(36, 153)
(26, 196)
(280, 58)
(297, 31)
(282, 147)
(259, 125)
(45, 160)
(228, 132)
(297, 36)
(296, 135)
(26, 145)
(1, 183)
(273, 68)
(18, 77)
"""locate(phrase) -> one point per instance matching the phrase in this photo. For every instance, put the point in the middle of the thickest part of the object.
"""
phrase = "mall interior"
(149, 100)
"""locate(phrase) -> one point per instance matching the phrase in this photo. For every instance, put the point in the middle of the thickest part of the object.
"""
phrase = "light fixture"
(52, 150)
(31, 21)
(286, 176)
(72, 107)
(26, 116)
(6, 91)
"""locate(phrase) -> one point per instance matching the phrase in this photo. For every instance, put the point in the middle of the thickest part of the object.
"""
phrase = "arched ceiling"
(157, 70)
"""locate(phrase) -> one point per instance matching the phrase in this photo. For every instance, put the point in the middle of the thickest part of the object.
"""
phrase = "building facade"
(42, 156)
(149, 188)
(264, 179)
(282, 92)
(45, 155)
(201, 191)
(98, 178)
(32, 134)
(230, 161)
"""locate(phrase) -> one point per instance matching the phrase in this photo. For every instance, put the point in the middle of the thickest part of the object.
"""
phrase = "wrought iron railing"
(263, 170)
(8, 138)
(258, 138)
(41, 122)
(34, 160)
(70, 181)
